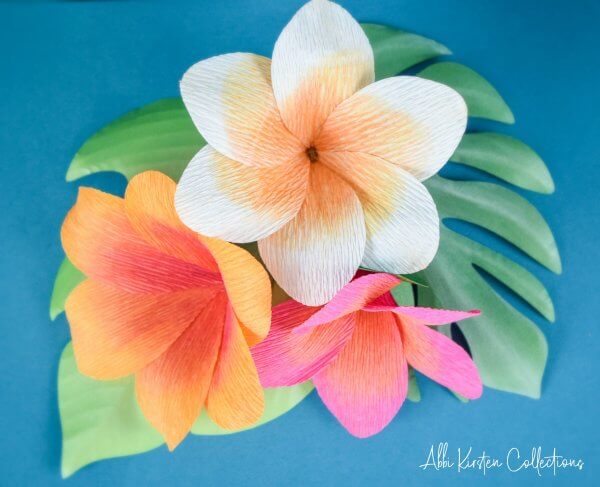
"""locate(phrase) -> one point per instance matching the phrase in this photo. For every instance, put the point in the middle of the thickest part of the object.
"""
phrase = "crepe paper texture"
(356, 349)
(176, 309)
(101, 419)
(504, 157)
(509, 350)
(324, 179)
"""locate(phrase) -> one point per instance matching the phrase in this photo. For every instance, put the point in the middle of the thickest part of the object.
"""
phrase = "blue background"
(68, 69)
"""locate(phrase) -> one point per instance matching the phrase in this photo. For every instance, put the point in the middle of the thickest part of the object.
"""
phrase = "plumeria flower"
(176, 309)
(357, 349)
(312, 158)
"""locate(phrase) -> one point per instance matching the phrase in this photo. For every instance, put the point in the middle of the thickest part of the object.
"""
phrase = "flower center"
(312, 154)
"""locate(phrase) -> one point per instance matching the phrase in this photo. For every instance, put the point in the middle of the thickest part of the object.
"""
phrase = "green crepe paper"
(67, 278)
(482, 98)
(506, 158)
(101, 419)
(159, 136)
(396, 50)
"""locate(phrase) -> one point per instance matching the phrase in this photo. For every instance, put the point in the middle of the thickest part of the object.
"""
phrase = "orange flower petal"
(101, 242)
(231, 102)
(235, 398)
(411, 122)
(172, 389)
(150, 206)
(116, 333)
(317, 253)
(248, 287)
(320, 58)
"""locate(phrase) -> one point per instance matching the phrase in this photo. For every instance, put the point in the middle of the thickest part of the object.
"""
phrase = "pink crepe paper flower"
(314, 160)
(357, 349)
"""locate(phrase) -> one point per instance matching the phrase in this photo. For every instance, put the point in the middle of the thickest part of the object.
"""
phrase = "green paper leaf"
(278, 401)
(509, 350)
(67, 278)
(414, 393)
(396, 50)
(100, 419)
(481, 97)
(499, 210)
(506, 158)
(159, 136)
(403, 294)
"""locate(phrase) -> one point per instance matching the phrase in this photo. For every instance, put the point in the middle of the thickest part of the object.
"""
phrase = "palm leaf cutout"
(101, 419)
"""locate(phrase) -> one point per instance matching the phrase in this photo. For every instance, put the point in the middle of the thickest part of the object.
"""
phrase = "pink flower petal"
(350, 298)
(439, 358)
(365, 386)
(285, 358)
(427, 316)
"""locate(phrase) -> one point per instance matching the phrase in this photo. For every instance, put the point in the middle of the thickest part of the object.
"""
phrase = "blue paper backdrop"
(68, 69)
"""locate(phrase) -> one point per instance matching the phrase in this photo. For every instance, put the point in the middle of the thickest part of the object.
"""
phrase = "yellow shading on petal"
(411, 122)
(235, 398)
(220, 197)
(317, 253)
(400, 215)
(231, 101)
(248, 287)
(321, 58)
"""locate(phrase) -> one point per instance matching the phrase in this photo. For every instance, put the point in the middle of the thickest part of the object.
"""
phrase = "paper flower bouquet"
(306, 182)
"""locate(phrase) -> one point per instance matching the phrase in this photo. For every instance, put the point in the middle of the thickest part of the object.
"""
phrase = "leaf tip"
(76, 170)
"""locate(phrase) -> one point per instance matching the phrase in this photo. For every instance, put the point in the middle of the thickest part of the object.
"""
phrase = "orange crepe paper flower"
(177, 309)
(316, 161)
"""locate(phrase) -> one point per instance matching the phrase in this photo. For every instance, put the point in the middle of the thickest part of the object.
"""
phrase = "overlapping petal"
(286, 358)
(401, 217)
(150, 208)
(172, 389)
(411, 122)
(428, 316)
(439, 358)
(100, 241)
(365, 386)
(220, 197)
(247, 284)
(353, 297)
(231, 101)
(317, 253)
(116, 333)
(321, 58)
(235, 398)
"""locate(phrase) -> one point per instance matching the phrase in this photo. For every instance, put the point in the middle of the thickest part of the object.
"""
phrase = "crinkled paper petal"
(365, 386)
